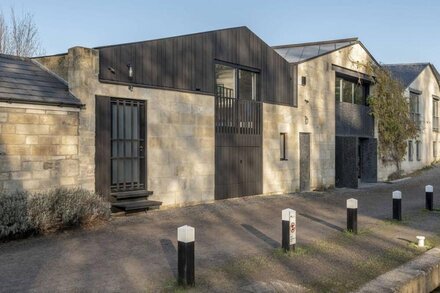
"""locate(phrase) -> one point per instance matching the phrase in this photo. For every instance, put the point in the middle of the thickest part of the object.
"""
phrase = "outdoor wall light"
(303, 80)
(130, 71)
(306, 120)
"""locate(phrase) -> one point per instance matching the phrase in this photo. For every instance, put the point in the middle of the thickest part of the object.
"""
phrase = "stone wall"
(38, 147)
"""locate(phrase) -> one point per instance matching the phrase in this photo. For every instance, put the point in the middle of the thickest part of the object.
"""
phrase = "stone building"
(189, 119)
(332, 111)
(39, 121)
(422, 87)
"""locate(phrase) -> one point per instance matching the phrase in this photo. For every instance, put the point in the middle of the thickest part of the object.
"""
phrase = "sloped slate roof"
(406, 73)
(25, 81)
(296, 53)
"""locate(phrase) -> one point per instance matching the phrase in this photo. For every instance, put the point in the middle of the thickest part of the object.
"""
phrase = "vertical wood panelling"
(187, 62)
(102, 155)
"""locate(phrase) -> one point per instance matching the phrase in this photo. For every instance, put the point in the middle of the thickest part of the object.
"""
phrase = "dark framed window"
(435, 114)
(419, 150)
(351, 90)
(236, 82)
(410, 150)
(283, 146)
(414, 108)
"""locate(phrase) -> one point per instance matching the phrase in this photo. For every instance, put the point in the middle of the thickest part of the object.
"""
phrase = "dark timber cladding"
(187, 63)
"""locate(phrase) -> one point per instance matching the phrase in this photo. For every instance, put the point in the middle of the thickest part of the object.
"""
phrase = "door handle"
(241, 161)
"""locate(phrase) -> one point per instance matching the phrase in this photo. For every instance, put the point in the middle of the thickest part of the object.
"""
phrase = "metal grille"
(127, 145)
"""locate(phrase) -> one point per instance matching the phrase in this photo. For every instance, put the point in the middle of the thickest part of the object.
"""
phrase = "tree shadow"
(325, 223)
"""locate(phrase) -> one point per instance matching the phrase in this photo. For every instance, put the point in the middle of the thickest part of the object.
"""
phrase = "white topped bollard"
(185, 255)
(288, 226)
(352, 206)
(397, 205)
(421, 241)
(429, 195)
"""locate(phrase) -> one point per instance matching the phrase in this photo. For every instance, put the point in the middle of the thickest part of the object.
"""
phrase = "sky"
(394, 31)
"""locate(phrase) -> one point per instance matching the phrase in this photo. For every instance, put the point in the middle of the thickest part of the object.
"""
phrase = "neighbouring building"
(189, 119)
(422, 87)
(39, 121)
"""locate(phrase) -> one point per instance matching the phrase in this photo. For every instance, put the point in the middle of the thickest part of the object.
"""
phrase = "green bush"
(25, 213)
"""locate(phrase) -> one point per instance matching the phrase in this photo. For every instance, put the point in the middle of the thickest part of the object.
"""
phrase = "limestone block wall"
(427, 84)
(180, 132)
(38, 147)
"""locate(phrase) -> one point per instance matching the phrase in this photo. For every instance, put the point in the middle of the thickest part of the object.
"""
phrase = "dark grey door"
(368, 165)
(304, 161)
(238, 151)
(346, 161)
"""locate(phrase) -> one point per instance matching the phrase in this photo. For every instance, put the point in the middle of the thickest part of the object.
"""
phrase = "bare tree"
(20, 36)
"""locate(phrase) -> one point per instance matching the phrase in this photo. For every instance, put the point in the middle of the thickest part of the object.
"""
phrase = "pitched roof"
(23, 80)
(407, 73)
(297, 53)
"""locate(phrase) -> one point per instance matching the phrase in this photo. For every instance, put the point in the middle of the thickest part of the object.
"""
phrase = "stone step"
(137, 205)
(131, 194)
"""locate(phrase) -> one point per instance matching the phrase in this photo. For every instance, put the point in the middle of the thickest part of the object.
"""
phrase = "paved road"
(139, 252)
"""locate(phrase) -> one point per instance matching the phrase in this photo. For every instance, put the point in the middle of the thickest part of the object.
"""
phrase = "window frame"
(435, 113)
(352, 82)
(416, 115)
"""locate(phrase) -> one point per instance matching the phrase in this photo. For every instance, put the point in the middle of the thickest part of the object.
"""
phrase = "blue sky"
(394, 31)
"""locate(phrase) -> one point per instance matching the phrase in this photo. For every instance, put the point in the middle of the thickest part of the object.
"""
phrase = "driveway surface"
(138, 253)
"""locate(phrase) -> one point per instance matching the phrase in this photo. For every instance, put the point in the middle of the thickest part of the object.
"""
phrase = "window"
(351, 90)
(410, 150)
(435, 114)
(283, 146)
(232, 82)
(419, 150)
(414, 108)
(434, 149)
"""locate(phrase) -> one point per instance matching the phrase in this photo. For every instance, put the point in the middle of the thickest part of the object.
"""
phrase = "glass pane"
(246, 85)
(120, 122)
(114, 121)
(128, 122)
(128, 171)
(128, 148)
(114, 172)
(136, 122)
(359, 94)
(225, 81)
(135, 171)
(347, 91)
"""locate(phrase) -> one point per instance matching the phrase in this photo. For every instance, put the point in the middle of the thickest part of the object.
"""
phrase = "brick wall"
(38, 147)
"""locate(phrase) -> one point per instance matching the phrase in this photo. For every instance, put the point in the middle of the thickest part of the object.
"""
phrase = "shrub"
(14, 218)
(56, 209)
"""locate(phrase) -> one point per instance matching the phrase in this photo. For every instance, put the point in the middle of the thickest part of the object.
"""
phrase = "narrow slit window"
(410, 150)
(283, 146)
(419, 150)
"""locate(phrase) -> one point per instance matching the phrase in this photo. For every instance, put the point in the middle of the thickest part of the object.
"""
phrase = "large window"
(414, 108)
(238, 83)
(351, 90)
(435, 114)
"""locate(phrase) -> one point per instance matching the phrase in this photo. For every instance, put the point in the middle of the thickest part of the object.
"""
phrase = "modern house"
(422, 83)
(333, 111)
(189, 119)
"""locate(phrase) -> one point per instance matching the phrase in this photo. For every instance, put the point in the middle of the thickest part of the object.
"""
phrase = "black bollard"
(429, 193)
(352, 206)
(397, 205)
(185, 255)
(288, 220)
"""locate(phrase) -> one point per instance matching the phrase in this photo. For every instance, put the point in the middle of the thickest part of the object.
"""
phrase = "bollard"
(352, 206)
(421, 241)
(397, 205)
(185, 255)
(288, 241)
(429, 193)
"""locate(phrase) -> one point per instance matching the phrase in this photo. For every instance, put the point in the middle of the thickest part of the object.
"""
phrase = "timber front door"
(120, 145)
